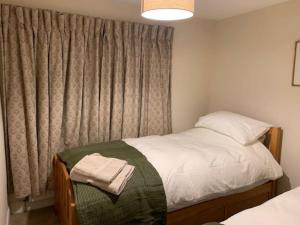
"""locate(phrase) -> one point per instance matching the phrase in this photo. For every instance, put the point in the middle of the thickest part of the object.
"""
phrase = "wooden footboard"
(64, 198)
(213, 210)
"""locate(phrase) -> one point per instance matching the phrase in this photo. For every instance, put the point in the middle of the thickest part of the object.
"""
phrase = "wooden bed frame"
(213, 210)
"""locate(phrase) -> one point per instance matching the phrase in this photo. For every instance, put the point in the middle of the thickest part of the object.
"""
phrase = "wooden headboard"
(273, 142)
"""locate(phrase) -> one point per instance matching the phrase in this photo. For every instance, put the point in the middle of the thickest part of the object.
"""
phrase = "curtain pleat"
(70, 80)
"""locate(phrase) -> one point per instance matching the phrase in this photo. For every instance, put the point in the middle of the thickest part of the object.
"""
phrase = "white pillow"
(241, 128)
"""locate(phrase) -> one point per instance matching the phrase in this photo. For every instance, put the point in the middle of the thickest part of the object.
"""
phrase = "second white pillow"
(243, 129)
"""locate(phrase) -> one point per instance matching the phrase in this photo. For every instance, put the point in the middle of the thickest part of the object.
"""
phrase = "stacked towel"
(99, 167)
(109, 174)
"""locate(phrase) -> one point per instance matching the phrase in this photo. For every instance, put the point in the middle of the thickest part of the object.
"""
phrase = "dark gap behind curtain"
(70, 80)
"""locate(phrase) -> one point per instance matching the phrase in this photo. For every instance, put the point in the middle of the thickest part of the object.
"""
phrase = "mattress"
(284, 209)
(200, 164)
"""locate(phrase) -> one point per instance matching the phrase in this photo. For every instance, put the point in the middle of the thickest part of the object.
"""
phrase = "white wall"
(3, 186)
(191, 58)
(252, 74)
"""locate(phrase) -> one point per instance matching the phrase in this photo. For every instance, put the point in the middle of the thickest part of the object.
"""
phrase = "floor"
(44, 216)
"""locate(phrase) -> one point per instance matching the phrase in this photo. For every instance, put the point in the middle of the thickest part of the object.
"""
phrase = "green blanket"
(143, 201)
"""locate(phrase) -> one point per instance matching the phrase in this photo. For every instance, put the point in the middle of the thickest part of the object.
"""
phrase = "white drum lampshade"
(168, 9)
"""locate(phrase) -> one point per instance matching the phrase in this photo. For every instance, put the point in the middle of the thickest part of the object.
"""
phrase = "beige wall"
(191, 46)
(191, 58)
(3, 191)
(252, 72)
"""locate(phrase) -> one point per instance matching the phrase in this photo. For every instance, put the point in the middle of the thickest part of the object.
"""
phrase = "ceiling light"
(167, 9)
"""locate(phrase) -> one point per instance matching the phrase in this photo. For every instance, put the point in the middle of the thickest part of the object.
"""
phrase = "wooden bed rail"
(212, 210)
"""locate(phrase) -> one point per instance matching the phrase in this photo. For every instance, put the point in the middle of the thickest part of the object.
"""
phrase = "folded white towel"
(115, 187)
(99, 168)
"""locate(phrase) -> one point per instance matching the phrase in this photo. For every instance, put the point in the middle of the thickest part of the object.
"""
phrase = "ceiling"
(222, 9)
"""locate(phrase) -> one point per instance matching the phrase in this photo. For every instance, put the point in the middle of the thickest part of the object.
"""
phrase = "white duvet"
(282, 210)
(200, 164)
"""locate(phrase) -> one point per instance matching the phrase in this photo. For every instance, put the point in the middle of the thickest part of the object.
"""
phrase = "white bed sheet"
(200, 164)
(282, 210)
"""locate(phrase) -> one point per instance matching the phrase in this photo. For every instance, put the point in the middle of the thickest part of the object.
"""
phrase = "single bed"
(284, 209)
(186, 209)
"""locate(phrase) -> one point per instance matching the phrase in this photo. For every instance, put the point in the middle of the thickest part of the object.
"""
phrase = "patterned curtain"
(70, 80)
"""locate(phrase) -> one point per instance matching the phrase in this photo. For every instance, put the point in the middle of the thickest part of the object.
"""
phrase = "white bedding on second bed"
(282, 210)
(200, 164)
